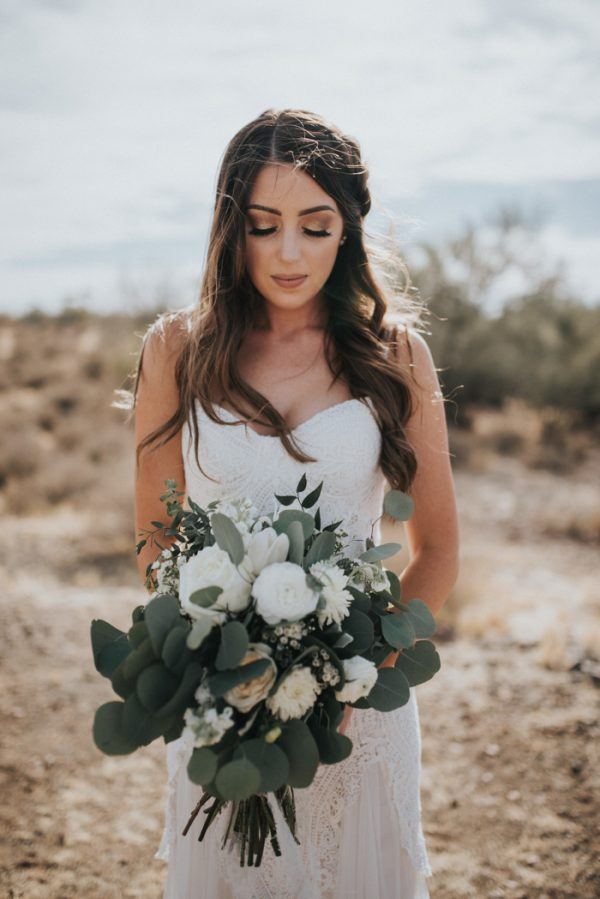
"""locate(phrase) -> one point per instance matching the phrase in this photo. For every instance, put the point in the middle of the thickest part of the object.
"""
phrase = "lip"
(289, 283)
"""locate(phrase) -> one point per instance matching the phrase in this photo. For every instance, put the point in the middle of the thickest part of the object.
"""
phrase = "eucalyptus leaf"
(155, 686)
(302, 752)
(223, 681)
(201, 628)
(162, 614)
(399, 505)
(322, 548)
(418, 663)
(360, 627)
(421, 618)
(285, 518)
(391, 690)
(383, 551)
(205, 596)
(269, 759)
(202, 766)
(397, 629)
(295, 536)
(238, 779)
(227, 536)
(233, 645)
(108, 732)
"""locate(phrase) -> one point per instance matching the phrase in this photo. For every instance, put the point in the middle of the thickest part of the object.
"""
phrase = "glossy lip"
(289, 282)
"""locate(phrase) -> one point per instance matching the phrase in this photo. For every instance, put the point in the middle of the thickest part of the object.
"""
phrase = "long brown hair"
(357, 339)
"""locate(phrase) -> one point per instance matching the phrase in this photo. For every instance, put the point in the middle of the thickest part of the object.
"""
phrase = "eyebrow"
(277, 212)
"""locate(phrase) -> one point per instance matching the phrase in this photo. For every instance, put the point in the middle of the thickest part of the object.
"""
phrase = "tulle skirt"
(370, 849)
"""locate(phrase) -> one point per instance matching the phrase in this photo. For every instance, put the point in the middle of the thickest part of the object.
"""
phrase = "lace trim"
(391, 739)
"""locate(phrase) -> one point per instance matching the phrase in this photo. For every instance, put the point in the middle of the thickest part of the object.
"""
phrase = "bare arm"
(432, 531)
(157, 401)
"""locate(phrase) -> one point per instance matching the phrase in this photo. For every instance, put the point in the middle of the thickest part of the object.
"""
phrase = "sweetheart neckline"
(302, 424)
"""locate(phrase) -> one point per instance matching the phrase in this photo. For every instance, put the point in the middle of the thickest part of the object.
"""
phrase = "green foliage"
(233, 645)
(391, 690)
(270, 760)
(301, 751)
(418, 663)
(109, 646)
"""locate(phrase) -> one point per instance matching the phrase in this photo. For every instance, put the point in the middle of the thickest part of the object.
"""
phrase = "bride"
(292, 362)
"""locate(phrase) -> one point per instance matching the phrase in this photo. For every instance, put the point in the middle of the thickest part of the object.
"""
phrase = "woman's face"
(292, 228)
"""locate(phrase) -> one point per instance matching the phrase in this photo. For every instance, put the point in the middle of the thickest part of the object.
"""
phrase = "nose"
(289, 245)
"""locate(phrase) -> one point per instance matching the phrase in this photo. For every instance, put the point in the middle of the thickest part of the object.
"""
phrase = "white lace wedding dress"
(359, 822)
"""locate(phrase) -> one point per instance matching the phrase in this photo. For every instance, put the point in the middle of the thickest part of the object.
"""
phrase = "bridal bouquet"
(258, 632)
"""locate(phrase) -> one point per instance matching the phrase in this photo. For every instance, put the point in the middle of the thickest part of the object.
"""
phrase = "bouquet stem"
(250, 822)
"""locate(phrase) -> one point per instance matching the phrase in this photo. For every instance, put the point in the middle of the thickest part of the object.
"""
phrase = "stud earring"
(343, 240)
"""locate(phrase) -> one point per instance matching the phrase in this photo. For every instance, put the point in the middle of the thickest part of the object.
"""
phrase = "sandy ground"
(509, 729)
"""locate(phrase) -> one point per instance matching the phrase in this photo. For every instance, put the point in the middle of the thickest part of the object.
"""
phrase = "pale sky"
(114, 117)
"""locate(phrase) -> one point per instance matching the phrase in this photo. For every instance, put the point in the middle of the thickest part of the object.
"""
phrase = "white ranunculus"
(212, 567)
(360, 675)
(337, 599)
(283, 594)
(246, 695)
(262, 549)
(295, 695)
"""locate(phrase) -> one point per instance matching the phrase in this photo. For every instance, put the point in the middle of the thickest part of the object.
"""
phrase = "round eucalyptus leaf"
(238, 779)
(155, 686)
(269, 759)
(419, 663)
(391, 690)
(286, 517)
(421, 618)
(162, 614)
(397, 629)
(302, 752)
(360, 627)
(399, 505)
(108, 732)
(333, 747)
(175, 652)
(202, 765)
(139, 659)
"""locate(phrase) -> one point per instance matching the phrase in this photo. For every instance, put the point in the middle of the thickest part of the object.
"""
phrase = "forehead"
(280, 186)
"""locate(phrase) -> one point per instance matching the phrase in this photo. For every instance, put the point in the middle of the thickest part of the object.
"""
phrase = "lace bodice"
(346, 440)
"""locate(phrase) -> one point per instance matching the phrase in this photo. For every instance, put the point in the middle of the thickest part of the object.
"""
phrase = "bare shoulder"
(414, 357)
(163, 341)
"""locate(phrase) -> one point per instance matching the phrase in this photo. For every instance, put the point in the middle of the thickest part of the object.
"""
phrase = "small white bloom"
(368, 576)
(242, 512)
(295, 695)
(212, 567)
(207, 726)
(283, 594)
(360, 675)
(337, 599)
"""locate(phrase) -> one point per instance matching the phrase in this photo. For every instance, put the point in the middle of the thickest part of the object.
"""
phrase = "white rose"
(263, 548)
(337, 599)
(283, 594)
(212, 567)
(247, 694)
(360, 675)
(295, 695)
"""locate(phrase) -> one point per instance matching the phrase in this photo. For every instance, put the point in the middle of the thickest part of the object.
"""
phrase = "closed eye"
(261, 232)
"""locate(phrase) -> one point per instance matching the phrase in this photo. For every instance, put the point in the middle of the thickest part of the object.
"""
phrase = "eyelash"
(261, 232)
